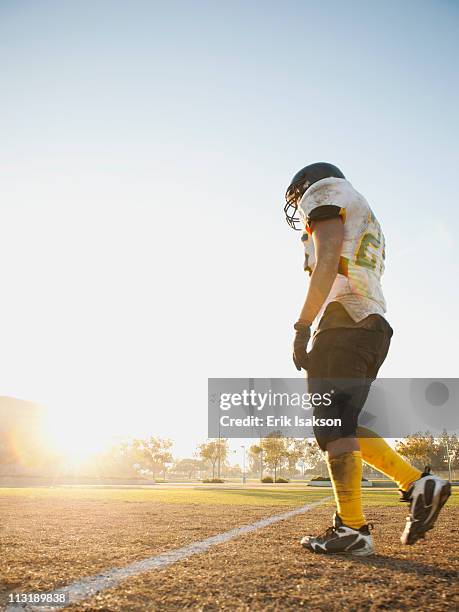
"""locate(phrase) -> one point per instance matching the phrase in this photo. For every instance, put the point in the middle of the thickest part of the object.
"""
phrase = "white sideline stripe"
(90, 586)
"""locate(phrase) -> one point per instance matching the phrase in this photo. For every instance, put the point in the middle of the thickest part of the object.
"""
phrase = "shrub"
(326, 478)
(267, 479)
(213, 480)
(282, 479)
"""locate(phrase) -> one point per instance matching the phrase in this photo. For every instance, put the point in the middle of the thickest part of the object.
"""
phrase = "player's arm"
(328, 237)
(328, 241)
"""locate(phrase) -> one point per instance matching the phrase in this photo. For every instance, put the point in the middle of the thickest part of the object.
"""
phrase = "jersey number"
(364, 257)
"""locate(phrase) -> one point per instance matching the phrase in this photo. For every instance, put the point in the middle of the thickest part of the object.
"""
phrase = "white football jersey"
(358, 286)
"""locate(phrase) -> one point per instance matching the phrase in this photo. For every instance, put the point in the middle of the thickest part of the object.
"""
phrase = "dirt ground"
(49, 543)
(268, 570)
(264, 570)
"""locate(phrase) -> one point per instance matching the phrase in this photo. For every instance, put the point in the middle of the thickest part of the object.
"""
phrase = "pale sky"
(145, 152)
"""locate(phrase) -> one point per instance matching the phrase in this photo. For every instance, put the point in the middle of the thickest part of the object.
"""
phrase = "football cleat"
(340, 539)
(426, 497)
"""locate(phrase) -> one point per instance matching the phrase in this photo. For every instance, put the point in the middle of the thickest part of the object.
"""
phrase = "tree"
(279, 453)
(313, 456)
(213, 451)
(295, 452)
(188, 467)
(423, 449)
(256, 459)
(275, 451)
(448, 449)
(153, 454)
(233, 471)
(117, 461)
(417, 448)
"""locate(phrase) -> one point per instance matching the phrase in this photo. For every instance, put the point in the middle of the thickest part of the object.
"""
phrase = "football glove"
(300, 345)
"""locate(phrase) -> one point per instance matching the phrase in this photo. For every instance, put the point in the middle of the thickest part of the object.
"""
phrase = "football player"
(344, 256)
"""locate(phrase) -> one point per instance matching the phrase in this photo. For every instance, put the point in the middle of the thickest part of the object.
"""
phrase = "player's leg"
(377, 453)
(425, 492)
(344, 462)
(375, 450)
(338, 356)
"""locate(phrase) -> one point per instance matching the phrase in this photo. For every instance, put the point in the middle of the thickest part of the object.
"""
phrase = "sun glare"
(77, 439)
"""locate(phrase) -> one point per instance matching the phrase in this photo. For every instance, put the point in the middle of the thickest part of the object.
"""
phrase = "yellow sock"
(346, 476)
(377, 453)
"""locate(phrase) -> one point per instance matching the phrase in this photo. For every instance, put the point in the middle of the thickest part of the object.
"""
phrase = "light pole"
(448, 459)
(243, 464)
(219, 442)
(261, 461)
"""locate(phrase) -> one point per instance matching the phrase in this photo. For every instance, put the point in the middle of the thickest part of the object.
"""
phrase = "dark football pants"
(344, 361)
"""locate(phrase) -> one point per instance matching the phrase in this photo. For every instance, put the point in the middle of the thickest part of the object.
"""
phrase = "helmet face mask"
(293, 196)
(300, 183)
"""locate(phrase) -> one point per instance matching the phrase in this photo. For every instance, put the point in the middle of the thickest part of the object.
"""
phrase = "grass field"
(278, 495)
(51, 537)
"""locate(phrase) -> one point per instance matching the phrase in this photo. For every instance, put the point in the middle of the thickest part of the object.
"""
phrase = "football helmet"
(302, 180)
